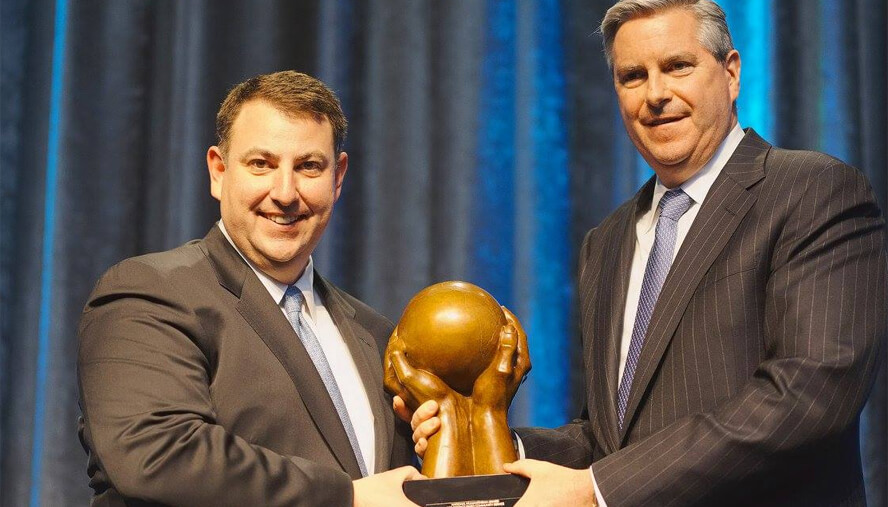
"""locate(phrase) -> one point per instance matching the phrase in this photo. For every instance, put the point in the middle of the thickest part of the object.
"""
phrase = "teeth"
(281, 219)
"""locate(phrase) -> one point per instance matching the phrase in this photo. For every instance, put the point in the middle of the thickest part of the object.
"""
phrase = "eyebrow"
(629, 68)
(312, 154)
(253, 152)
(679, 57)
(264, 153)
(676, 57)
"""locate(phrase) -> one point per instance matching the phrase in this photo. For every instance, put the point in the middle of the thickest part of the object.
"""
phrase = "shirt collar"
(276, 289)
(698, 185)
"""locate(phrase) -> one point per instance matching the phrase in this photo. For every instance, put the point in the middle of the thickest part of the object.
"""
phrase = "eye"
(680, 67)
(631, 77)
(311, 166)
(259, 163)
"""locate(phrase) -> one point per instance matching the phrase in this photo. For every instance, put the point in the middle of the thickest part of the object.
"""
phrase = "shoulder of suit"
(180, 257)
(166, 269)
(801, 169)
(804, 162)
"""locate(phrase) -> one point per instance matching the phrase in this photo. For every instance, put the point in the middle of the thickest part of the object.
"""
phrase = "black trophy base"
(501, 490)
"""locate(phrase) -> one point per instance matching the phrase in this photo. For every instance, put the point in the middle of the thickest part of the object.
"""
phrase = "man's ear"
(216, 167)
(732, 67)
(341, 169)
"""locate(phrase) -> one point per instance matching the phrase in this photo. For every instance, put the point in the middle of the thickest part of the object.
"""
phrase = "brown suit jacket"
(761, 350)
(195, 390)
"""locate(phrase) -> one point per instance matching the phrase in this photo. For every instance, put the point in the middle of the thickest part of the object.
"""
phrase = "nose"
(658, 92)
(284, 187)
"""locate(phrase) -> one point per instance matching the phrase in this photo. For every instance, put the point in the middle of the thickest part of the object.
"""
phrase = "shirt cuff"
(519, 445)
(598, 497)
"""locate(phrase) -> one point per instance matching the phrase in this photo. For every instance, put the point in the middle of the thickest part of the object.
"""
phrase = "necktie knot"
(674, 204)
(293, 300)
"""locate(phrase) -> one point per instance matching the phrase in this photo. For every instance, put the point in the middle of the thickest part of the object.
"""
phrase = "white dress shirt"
(338, 355)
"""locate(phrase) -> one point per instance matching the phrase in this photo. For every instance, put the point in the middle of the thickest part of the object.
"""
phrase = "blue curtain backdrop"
(484, 142)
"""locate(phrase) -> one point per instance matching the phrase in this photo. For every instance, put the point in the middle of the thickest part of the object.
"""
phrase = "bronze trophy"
(456, 345)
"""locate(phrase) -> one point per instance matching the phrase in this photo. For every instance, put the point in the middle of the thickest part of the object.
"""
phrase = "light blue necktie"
(673, 205)
(293, 300)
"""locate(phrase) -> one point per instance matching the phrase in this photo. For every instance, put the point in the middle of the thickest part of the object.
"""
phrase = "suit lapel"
(366, 356)
(609, 310)
(265, 317)
(727, 202)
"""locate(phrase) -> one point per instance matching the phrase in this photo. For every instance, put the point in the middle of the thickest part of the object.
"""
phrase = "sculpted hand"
(498, 383)
(413, 386)
(554, 485)
(385, 489)
(491, 396)
(390, 380)
(417, 389)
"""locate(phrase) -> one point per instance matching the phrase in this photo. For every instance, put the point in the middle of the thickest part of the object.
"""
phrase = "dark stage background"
(484, 142)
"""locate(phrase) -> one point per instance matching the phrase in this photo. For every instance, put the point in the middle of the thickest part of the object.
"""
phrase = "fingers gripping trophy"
(456, 345)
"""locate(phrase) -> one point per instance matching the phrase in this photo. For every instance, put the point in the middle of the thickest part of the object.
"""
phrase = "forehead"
(261, 120)
(656, 36)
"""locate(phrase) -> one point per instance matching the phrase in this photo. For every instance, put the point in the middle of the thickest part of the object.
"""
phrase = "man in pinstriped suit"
(737, 378)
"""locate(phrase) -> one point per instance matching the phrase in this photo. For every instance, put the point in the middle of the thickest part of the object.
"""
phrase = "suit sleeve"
(144, 375)
(825, 312)
(572, 445)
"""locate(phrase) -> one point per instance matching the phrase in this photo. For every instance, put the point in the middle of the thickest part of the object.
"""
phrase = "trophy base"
(501, 490)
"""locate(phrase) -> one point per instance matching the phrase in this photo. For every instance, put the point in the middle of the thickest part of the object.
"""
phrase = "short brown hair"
(294, 93)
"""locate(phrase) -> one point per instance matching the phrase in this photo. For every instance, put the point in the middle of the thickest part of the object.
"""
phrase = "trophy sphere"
(452, 329)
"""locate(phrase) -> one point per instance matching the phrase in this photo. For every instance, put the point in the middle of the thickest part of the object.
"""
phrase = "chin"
(669, 157)
(278, 256)
(282, 259)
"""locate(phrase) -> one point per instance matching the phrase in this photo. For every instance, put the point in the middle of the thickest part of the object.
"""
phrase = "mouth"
(662, 120)
(283, 219)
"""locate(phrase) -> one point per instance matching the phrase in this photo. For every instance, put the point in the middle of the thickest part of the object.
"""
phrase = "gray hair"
(713, 33)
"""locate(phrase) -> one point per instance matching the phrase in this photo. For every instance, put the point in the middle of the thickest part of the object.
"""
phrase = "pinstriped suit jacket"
(761, 350)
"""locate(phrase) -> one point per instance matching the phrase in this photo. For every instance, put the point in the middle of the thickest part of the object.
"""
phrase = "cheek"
(629, 106)
(630, 118)
(320, 193)
(708, 113)
(229, 198)
(248, 193)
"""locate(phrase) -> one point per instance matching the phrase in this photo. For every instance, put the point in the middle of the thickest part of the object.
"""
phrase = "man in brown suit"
(733, 312)
(227, 371)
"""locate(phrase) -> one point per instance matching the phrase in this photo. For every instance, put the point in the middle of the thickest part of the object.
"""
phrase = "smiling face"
(675, 98)
(276, 186)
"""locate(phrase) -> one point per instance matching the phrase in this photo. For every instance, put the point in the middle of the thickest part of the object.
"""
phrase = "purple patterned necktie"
(673, 205)
(293, 299)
